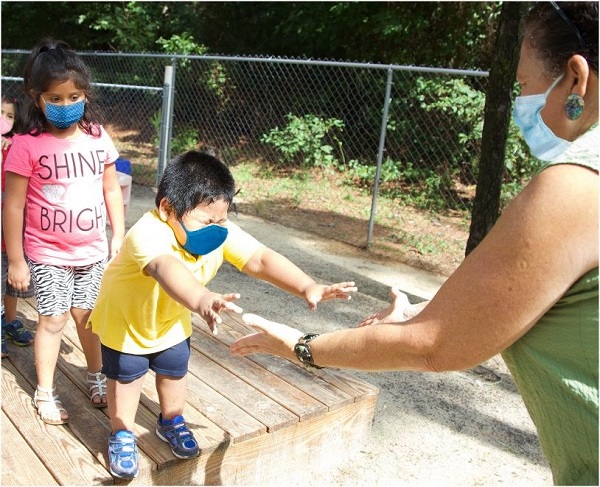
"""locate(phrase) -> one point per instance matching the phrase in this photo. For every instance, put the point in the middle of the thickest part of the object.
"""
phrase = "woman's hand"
(400, 310)
(273, 338)
(319, 292)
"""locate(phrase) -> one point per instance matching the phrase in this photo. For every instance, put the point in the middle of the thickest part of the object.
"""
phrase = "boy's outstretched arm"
(270, 266)
(179, 283)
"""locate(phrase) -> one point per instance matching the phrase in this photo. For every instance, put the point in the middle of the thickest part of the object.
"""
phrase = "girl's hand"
(319, 292)
(115, 246)
(6, 142)
(19, 276)
(400, 310)
(273, 338)
(212, 304)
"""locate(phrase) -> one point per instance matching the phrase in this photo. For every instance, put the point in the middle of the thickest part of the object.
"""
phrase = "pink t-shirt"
(65, 217)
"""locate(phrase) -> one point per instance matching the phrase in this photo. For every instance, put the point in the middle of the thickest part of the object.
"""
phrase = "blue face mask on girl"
(63, 116)
(204, 240)
(542, 142)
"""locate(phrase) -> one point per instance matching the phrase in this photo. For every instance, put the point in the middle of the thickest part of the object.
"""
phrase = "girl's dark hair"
(193, 178)
(559, 30)
(50, 61)
(18, 121)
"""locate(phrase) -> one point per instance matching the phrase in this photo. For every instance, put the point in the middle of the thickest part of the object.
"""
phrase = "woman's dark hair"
(50, 61)
(559, 30)
(193, 178)
(18, 120)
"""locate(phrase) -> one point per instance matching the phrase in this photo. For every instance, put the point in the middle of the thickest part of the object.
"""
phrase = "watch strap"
(302, 350)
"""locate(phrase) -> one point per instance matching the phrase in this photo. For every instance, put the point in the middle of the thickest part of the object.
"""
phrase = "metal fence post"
(166, 125)
(384, 121)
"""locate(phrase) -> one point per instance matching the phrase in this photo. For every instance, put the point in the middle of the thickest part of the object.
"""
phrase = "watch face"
(302, 353)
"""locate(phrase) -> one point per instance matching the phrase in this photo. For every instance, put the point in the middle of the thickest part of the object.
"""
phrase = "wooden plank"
(261, 407)
(20, 464)
(56, 446)
(236, 422)
(297, 401)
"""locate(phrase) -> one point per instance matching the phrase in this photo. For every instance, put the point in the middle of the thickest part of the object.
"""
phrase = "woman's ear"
(578, 71)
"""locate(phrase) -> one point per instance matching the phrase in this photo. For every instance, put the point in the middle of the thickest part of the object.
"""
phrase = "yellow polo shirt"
(133, 313)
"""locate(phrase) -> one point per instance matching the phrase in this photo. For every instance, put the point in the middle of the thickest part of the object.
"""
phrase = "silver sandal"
(50, 406)
(97, 385)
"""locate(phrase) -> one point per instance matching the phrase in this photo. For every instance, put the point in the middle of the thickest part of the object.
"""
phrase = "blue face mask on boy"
(63, 116)
(542, 142)
(204, 240)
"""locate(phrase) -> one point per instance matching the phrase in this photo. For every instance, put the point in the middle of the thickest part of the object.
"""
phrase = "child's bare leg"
(123, 400)
(171, 394)
(46, 347)
(10, 308)
(90, 342)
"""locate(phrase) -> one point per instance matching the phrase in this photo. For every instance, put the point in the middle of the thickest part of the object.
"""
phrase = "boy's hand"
(212, 304)
(319, 292)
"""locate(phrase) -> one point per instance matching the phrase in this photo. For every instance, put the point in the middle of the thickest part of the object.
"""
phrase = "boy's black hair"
(49, 61)
(193, 178)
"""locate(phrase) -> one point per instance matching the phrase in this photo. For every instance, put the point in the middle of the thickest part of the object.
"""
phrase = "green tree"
(446, 34)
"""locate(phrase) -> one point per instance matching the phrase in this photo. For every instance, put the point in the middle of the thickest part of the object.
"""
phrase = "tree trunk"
(486, 205)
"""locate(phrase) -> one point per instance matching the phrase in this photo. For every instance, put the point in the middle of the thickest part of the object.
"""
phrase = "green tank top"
(555, 366)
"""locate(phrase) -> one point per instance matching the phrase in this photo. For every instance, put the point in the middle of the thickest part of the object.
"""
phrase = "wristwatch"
(302, 350)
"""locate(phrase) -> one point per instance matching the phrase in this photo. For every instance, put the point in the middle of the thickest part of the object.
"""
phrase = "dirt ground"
(457, 428)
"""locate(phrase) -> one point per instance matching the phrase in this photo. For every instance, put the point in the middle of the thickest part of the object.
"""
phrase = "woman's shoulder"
(583, 151)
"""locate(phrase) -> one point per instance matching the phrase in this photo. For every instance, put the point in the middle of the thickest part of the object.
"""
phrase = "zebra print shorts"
(60, 288)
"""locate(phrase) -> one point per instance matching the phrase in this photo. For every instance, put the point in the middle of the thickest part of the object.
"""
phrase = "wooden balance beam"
(258, 420)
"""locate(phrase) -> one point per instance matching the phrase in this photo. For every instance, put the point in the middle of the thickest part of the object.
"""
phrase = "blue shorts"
(126, 367)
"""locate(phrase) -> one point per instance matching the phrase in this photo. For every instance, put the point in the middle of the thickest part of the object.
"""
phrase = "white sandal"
(97, 384)
(50, 406)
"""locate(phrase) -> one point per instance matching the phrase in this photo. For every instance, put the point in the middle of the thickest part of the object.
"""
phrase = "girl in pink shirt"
(61, 168)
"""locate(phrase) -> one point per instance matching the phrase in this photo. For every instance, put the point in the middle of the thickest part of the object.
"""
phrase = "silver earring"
(574, 106)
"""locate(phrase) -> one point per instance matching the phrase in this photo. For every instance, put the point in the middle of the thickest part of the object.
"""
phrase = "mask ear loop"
(553, 85)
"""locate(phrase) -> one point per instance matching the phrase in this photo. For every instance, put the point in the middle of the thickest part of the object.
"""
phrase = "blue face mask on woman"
(63, 116)
(204, 240)
(542, 142)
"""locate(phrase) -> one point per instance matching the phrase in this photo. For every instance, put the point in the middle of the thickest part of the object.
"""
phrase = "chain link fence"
(375, 156)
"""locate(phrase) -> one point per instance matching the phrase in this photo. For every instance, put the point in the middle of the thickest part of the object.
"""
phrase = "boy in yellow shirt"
(142, 314)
